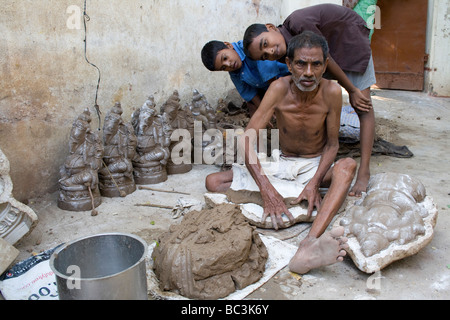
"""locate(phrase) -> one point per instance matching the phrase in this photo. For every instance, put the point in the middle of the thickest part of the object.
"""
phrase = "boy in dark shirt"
(350, 62)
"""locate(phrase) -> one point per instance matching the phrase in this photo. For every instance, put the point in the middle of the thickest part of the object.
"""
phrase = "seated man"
(307, 108)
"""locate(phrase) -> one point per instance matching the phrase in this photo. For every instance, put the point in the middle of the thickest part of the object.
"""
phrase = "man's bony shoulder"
(281, 83)
(332, 88)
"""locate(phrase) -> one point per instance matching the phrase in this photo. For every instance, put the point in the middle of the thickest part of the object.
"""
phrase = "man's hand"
(275, 207)
(359, 102)
(312, 195)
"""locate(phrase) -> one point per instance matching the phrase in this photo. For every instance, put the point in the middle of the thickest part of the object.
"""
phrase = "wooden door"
(398, 48)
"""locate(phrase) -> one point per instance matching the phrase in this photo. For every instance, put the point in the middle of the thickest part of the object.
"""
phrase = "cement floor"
(413, 119)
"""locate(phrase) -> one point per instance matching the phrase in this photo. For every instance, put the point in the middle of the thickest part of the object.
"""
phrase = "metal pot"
(108, 266)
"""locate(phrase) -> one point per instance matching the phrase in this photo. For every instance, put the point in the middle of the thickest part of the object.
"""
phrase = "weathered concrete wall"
(290, 5)
(141, 47)
(437, 76)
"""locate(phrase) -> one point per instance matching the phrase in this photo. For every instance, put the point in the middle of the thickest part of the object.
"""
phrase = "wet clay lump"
(210, 254)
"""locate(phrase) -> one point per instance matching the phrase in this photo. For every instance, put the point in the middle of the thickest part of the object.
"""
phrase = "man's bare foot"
(360, 186)
(312, 253)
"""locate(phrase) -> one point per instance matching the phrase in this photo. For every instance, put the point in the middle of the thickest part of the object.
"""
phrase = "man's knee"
(346, 167)
(211, 183)
(214, 182)
(219, 181)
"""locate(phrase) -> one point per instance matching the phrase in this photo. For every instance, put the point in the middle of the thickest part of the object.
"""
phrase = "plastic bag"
(31, 279)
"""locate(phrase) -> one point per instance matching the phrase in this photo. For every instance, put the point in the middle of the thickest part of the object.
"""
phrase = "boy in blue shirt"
(251, 78)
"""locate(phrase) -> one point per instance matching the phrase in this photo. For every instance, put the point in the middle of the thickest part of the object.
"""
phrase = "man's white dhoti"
(289, 175)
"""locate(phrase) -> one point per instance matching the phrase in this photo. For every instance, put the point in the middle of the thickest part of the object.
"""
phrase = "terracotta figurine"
(116, 174)
(152, 152)
(79, 175)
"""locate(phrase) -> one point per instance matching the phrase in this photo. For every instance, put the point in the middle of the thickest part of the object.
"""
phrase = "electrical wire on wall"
(97, 108)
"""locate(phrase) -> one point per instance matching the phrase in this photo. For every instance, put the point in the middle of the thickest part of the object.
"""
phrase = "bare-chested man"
(307, 108)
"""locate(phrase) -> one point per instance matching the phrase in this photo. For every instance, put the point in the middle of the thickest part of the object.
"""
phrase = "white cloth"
(289, 175)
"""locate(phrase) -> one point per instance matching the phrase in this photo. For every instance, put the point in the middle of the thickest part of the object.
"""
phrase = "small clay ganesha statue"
(178, 126)
(79, 189)
(202, 111)
(152, 151)
(116, 175)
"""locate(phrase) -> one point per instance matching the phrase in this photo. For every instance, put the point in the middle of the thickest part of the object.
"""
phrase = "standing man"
(350, 62)
(307, 109)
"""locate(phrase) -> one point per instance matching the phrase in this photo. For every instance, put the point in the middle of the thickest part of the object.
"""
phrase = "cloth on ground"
(350, 126)
(185, 205)
(349, 136)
